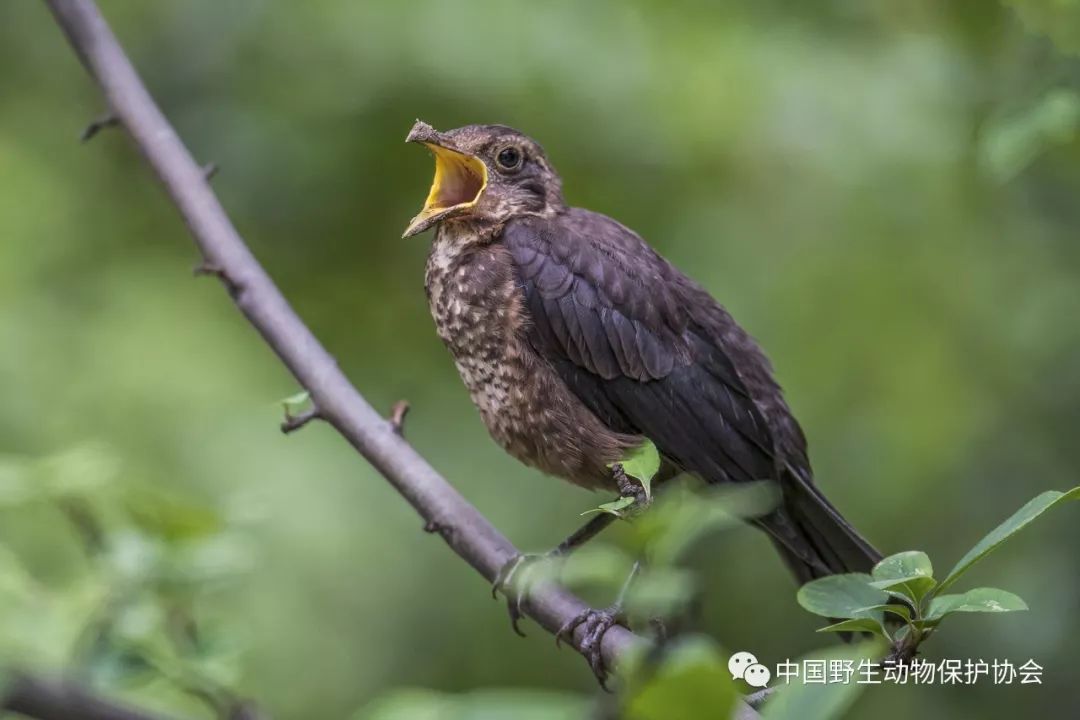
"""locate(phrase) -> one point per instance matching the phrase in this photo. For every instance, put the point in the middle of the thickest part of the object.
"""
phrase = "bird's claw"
(596, 623)
(630, 487)
(513, 581)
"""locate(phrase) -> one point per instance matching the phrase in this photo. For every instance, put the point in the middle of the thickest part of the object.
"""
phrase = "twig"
(474, 538)
(292, 423)
(757, 699)
(97, 125)
(397, 416)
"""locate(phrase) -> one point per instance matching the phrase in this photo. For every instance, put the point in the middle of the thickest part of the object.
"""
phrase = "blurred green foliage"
(131, 608)
(883, 193)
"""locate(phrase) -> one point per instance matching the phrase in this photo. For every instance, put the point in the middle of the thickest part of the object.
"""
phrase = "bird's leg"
(597, 623)
(629, 487)
(513, 578)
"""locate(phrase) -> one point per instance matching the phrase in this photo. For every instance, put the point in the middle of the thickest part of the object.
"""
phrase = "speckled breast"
(478, 312)
(471, 292)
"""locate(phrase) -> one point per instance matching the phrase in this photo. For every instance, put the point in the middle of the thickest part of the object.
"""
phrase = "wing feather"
(620, 327)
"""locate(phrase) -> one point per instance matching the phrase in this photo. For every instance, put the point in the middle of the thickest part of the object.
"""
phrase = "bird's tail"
(813, 538)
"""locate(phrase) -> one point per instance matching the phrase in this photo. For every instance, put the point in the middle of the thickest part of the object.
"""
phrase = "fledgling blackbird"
(577, 341)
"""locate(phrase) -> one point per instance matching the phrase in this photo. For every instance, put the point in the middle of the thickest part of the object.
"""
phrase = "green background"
(884, 194)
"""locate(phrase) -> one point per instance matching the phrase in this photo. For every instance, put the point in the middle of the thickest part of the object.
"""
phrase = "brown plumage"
(576, 341)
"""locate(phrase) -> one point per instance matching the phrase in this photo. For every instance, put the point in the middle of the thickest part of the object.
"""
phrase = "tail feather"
(813, 538)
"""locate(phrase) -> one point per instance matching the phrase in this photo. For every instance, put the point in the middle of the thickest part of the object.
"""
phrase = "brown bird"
(577, 342)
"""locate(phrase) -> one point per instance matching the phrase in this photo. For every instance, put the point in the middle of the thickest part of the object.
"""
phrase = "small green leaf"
(902, 611)
(296, 402)
(1019, 520)
(841, 596)
(977, 600)
(902, 565)
(903, 597)
(912, 588)
(683, 514)
(642, 463)
(858, 625)
(615, 507)
(908, 573)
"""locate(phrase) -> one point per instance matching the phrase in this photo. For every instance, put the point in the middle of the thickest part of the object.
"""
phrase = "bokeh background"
(885, 194)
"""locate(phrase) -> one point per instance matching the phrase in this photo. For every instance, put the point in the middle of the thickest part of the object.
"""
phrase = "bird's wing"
(616, 322)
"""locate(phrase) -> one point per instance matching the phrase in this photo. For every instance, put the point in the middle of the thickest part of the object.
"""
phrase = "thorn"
(209, 170)
(433, 526)
(208, 268)
(97, 125)
(397, 416)
(292, 423)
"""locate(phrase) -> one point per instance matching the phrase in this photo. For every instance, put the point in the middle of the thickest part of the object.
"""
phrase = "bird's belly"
(535, 419)
(527, 409)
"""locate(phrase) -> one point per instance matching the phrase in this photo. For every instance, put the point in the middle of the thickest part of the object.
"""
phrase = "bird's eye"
(509, 158)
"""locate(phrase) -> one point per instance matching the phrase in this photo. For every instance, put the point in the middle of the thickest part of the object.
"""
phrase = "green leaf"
(595, 564)
(684, 513)
(842, 596)
(902, 565)
(987, 600)
(1019, 520)
(642, 463)
(615, 507)
(692, 676)
(858, 625)
(902, 611)
(827, 701)
(79, 471)
(913, 588)
(909, 573)
(296, 402)
(661, 592)
(168, 515)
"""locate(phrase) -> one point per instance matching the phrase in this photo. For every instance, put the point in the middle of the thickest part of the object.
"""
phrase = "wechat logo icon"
(745, 666)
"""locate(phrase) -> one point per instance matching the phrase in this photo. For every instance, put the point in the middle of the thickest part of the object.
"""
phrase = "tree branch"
(60, 700)
(462, 526)
(52, 699)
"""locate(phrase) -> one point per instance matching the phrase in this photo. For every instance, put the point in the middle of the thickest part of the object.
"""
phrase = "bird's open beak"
(460, 179)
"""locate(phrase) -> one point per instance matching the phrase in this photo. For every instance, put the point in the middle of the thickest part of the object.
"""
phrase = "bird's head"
(486, 175)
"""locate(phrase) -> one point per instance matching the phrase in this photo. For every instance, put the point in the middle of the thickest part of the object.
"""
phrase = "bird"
(578, 342)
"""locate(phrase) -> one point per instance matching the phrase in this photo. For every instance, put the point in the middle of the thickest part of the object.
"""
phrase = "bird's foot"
(514, 580)
(630, 487)
(596, 624)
